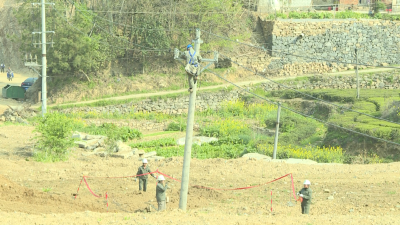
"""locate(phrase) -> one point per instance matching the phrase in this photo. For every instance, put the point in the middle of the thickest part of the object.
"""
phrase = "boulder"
(197, 140)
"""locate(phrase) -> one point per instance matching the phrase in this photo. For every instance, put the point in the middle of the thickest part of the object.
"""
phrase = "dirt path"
(43, 192)
(243, 83)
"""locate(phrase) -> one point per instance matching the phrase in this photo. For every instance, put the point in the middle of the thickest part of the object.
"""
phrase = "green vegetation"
(319, 154)
(177, 126)
(164, 142)
(231, 124)
(87, 42)
(112, 131)
(54, 137)
(338, 15)
(46, 189)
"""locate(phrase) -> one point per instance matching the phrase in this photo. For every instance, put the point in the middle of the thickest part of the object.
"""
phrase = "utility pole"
(358, 79)
(277, 131)
(44, 61)
(189, 127)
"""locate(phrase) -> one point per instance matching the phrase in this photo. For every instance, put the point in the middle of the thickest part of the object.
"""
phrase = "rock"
(330, 198)
(149, 154)
(256, 156)
(122, 147)
(102, 154)
(81, 144)
(77, 136)
(197, 140)
(326, 191)
(91, 137)
(156, 158)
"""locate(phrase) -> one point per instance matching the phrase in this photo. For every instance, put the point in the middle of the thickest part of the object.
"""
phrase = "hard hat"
(307, 182)
(160, 178)
(189, 46)
(144, 161)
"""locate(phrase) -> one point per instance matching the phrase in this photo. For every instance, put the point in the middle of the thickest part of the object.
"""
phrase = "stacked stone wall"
(328, 45)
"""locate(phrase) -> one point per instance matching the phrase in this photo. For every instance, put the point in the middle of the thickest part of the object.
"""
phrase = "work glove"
(301, 195)
(297, 194)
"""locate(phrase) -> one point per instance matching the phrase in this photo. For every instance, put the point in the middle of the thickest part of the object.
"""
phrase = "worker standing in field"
(192, 68)
(2, 66)
(144, 169)
(160, 193)
(306, 195)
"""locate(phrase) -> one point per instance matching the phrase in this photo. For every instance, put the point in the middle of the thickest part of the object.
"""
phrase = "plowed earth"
(43, 193)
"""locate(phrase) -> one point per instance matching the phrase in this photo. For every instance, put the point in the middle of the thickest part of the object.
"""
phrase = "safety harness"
(192, 58)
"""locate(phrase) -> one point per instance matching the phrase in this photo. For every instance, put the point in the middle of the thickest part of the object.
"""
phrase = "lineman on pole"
(305, 195)
(144, 169)
(192, 68)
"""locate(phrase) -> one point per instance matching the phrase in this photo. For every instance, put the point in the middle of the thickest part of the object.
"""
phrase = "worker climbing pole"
(193, 70)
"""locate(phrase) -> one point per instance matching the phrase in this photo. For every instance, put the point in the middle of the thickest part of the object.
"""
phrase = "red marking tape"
(219, 189)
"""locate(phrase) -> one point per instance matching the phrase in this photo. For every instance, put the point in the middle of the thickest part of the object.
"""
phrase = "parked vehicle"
(28, 82)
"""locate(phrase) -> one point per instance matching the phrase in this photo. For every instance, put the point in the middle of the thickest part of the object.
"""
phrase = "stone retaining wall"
(167, 106)
(326, 42)
(377, 81)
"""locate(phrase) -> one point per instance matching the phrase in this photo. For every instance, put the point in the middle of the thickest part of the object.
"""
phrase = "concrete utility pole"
(44, 61)
(189, 127)
(277, 131)
(358, 79)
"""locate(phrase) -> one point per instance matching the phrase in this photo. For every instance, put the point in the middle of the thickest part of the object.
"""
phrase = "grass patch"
(163, 142)
(160, 133)
(112, 131)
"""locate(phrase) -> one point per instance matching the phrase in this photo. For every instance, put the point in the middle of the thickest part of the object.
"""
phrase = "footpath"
(243, 83)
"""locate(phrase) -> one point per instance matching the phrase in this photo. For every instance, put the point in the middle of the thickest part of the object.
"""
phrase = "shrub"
(112, 131)
(176, 126)
(319, 154)
(55, 137)
(225, 128)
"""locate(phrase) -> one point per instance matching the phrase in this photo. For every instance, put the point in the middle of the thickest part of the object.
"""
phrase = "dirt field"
(43, 192)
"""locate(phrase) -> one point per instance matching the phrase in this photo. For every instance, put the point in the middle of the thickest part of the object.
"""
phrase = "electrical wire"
(308, 95)
(302, 114)
(300, 56)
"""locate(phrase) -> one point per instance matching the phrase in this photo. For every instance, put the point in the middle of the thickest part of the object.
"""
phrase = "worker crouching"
(160, 193)
(305, 194)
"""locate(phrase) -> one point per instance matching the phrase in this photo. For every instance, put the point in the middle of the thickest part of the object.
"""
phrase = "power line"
(308, 95)
(300, 56)
(300, 113)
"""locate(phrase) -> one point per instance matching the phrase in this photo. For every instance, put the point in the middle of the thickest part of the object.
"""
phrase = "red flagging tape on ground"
(78, 188)
(218, 189)
(87, 185)
(294, 192)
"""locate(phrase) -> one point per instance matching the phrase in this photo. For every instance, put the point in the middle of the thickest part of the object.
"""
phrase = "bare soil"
(43, 192)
